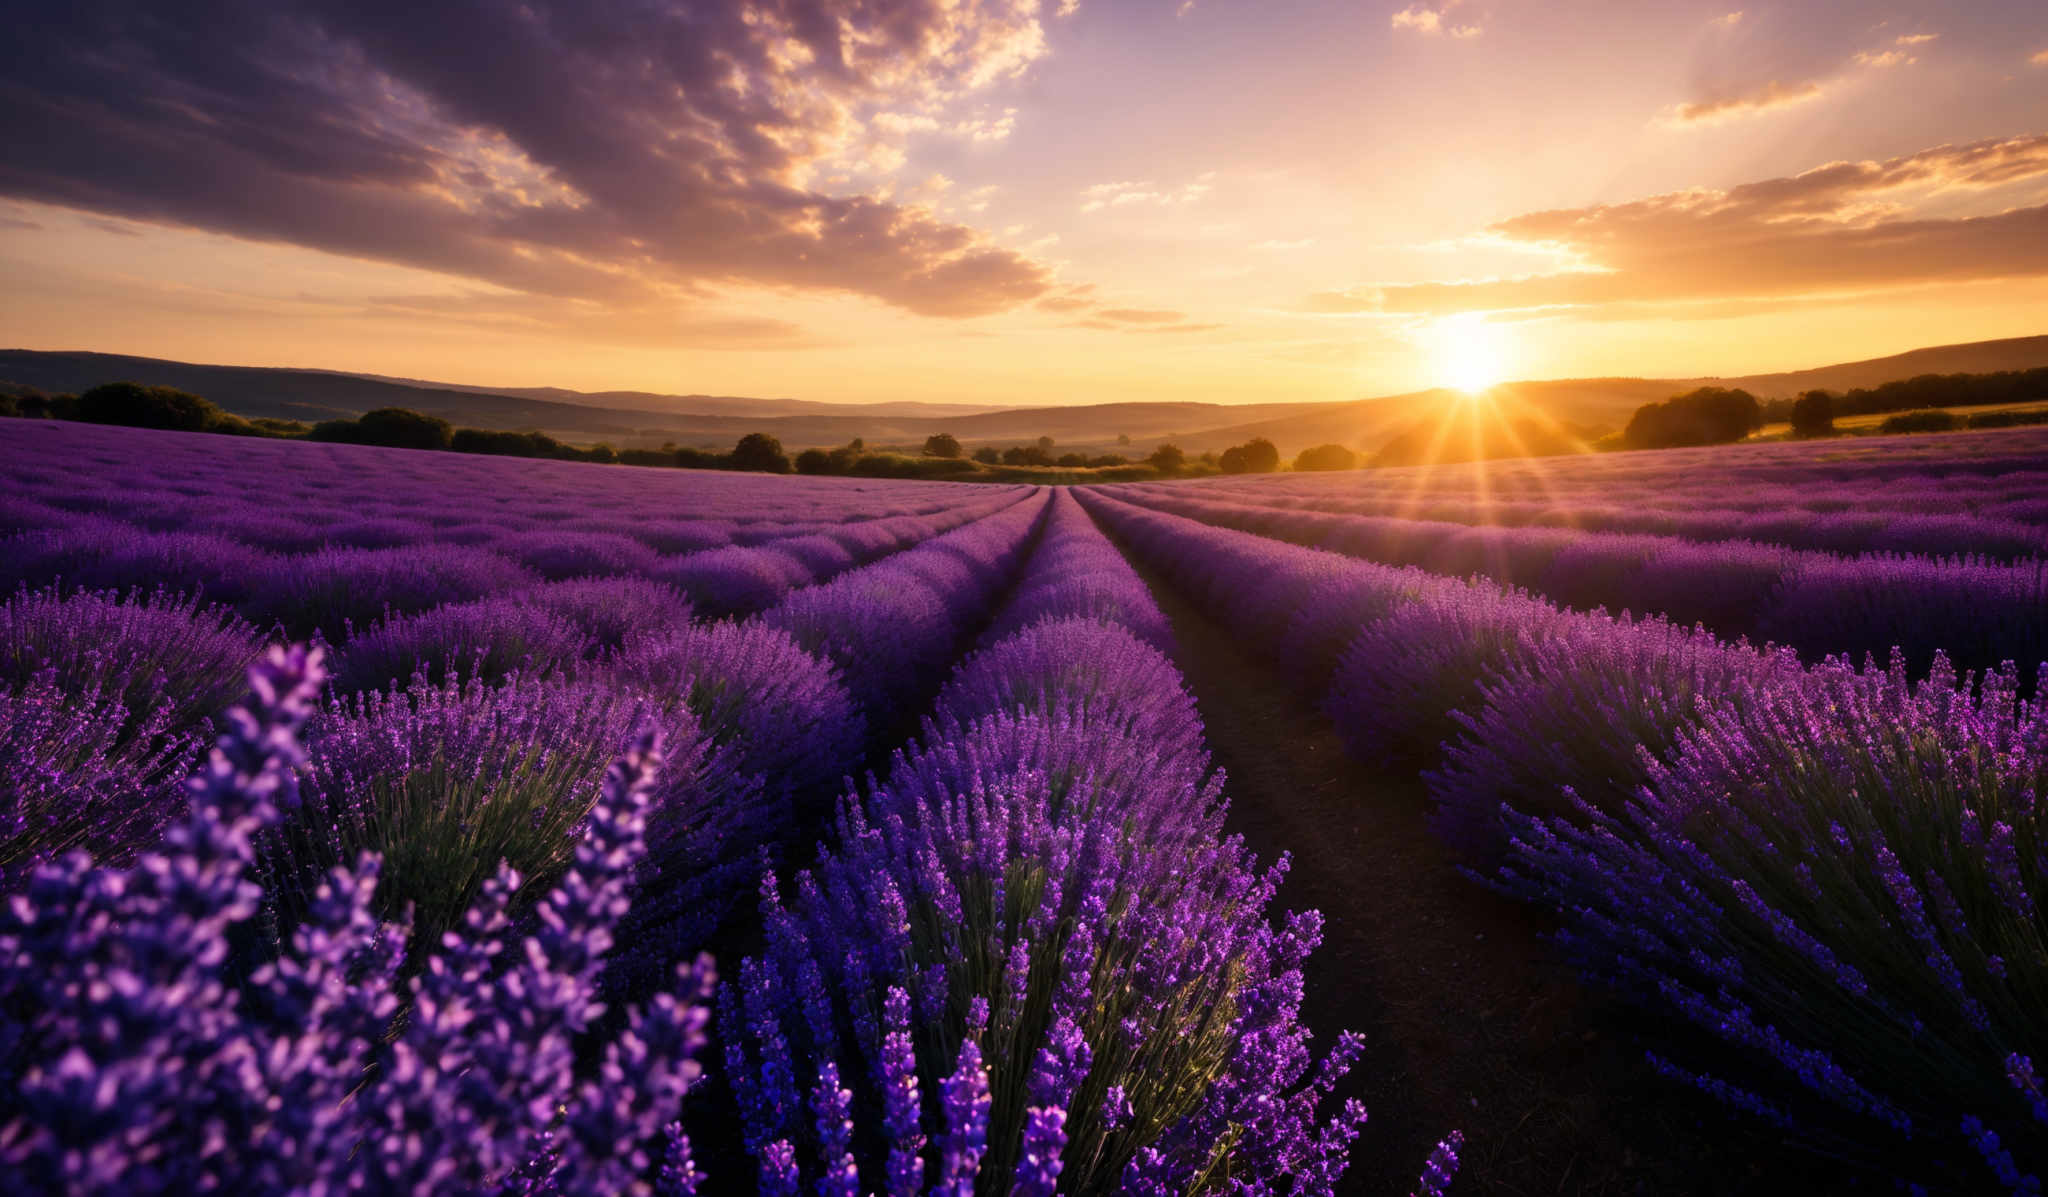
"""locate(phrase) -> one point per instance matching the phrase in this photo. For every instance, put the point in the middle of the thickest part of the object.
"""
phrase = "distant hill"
(1572, 408)
(1977, 357)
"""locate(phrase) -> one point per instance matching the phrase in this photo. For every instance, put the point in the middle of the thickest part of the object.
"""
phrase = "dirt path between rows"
(1471, 1021)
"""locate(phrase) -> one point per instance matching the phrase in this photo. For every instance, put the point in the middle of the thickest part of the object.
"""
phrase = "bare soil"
(1472, 1022)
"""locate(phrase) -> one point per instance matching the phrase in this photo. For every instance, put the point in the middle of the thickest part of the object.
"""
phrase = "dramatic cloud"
(1838, 228)
(604, 150)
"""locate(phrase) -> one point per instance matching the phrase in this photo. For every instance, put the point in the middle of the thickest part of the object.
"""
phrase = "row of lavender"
(1824, 880)
(1098, 996)
(329, 539)
(1027, 961)
(436, 784)
(1818, 495)
(1979, 613)
(2006, 519)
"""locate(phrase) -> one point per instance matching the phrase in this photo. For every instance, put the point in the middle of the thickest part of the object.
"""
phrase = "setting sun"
(1466, 352)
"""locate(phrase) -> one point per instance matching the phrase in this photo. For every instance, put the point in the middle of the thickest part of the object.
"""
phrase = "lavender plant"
(446, 781)
(137, 1066)
(1579, 714)
(1839, 880)
(488, 639)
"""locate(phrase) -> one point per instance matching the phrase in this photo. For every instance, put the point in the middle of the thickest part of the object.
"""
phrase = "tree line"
(943, 457)
(1720, 415)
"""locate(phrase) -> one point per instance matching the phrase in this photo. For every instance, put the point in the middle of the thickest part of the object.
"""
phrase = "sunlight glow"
(1466, 352)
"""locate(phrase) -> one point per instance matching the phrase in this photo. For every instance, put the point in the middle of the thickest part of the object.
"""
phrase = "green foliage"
(760, 453)
(941, 444)
(1920, 421)
(1326, 457)
(1707, 416)
(1256, 456)
(2007, 419)
(138, 406)
(989, 455)
(1813, 414)
(814, 461)
(1167, 459)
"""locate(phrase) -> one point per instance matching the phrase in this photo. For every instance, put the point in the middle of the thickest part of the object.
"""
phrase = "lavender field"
(402, 822)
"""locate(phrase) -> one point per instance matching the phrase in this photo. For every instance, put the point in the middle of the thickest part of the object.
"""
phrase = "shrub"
(1167, 459)
(331, 590)
(814, 461)
(133, 1039)
(487, 639)
(1397, 687)
(1326, 457)
(611, 609)
(1813, 414)
(1256, 456)
(163, 657)
(1050, 1041)
(141, 406)
(1581, 715)
(1705, 416)
(942, 444)
(1920, 421)
(444, 781)
(401, 428)
(1839, 882)
(760, 452)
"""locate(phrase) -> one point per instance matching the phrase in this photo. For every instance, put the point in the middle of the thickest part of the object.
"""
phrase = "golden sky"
(1018, 202)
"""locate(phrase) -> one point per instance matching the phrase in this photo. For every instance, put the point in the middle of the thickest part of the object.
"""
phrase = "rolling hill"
(1573, 407)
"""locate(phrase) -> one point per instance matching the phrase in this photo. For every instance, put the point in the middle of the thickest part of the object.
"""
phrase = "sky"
(1022, 201)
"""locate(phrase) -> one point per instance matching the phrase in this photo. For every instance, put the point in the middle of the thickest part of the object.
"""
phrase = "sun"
(1466, 352)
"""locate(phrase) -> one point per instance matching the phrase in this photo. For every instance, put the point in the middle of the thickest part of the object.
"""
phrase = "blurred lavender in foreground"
(136, 1065)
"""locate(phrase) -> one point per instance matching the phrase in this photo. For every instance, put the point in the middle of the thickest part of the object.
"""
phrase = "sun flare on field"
(1466, 352)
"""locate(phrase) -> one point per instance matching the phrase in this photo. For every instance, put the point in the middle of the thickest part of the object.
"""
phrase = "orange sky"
(1009, 201)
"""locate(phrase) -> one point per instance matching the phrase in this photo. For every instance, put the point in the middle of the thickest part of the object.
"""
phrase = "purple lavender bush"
(444, 781)
(334, 589)
(611, 609)
(1075, 571)
(1840, 881)
(488, 639)
(1396, 688)
(1579, 714)
(1126, 1010)
(1101, 673)
(137, 1063)
(104, 708)
(785, 712)
(155, 652)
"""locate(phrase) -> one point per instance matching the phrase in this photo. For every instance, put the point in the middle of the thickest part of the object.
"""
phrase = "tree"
(139, 406)
(1045, 445)
(814, 461)
(941, 444)
(1707, 416)
(1123, 438)
(1326, 457)
(403, 428)
(760, 452)
(1072, 461)
(1256, 456)
(1167, 459)
(989, 455)
(1813, 414)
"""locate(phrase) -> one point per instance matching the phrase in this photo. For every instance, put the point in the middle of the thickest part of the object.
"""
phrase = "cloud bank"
(603, 150)
(1843, 227)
